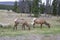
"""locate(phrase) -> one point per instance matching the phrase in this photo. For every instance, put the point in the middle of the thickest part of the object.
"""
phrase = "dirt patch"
(32, 37)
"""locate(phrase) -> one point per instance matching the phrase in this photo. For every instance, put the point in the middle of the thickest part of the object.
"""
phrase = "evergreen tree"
(42, 8)
(54, 7)
(35, 9)
(16, 7)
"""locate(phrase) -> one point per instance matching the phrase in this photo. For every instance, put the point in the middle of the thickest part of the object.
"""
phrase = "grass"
(8, 18)
(37, 30)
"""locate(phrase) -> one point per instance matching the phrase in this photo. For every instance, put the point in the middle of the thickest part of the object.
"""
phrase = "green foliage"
(7, 7)
(30, 6)
(18, 10)
(42, 8)
(54, 7)
(16, 7)
(35, 9)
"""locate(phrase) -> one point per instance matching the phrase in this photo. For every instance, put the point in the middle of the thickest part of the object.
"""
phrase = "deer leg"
(22, 27)
(34, 25)
(15, 26)
(48, 25)
(28, 27)
(41, 25)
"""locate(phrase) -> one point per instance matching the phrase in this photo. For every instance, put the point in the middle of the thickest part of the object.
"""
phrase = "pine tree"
(42, 8)
(35, 9)
(54, 7)
(16, 8)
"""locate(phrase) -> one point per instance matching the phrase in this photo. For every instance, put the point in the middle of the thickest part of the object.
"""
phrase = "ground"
(32, 37)
(7, 32)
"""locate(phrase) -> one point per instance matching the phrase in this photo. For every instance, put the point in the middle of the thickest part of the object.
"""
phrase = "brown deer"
(41, 22)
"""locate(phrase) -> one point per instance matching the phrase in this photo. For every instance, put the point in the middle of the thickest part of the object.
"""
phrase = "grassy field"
(37, 30)
(8, 18)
